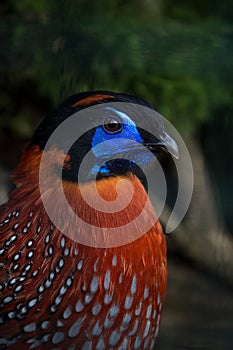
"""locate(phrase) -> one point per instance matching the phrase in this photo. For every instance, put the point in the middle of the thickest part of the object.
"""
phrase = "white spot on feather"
(79, 306)
(97, 330)
(80, 264)
(139, 308)
(146, 292)
(44, 324)
(158, 299)
(67, 313)
(134, 285)
(75, 328)
(58, 337)
(128, 302)
(32, 302)
(154, 314)
(31, 327)
(114, 260)
(107, 299)
(94, 284)
(108, 322)
(63, 290)
(124, 345)
(126, 319)
(114, 338)
(96, 309)
(107, 280)
(87, 345)
(137, 342)
(100, 345)
(148, 311)
(88, 298)
(114, 310)
(95, 265)
(147, 328)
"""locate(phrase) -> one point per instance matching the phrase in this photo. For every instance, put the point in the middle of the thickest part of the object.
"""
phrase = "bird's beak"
(165, 143)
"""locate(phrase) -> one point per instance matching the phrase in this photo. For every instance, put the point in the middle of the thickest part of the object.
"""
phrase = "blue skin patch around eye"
(121, 144)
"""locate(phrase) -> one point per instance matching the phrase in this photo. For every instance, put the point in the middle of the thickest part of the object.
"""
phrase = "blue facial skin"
(125, 145)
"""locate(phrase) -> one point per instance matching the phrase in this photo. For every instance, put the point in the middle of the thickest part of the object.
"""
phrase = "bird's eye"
(112, 125)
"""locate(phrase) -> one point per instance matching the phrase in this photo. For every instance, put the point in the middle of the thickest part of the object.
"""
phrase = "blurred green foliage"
(176, 54)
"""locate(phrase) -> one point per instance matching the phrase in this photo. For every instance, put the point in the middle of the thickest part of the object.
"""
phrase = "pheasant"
(62, 285)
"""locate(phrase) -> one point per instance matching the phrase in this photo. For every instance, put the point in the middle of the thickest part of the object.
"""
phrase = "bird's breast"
(58, 293)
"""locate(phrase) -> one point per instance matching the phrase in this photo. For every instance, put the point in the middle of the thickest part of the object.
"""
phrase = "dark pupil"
(112, 125)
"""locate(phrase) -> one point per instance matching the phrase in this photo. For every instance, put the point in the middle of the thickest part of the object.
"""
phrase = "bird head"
(123, 134)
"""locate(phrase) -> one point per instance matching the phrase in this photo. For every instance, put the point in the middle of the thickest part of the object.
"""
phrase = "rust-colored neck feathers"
(58, 293)
(108, 203)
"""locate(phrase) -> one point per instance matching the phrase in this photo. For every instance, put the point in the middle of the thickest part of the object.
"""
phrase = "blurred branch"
(201, 236)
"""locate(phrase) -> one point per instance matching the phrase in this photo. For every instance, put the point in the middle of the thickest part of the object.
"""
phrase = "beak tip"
(175, 152)
(172, 146)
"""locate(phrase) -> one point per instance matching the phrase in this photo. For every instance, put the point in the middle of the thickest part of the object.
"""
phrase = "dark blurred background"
(178, 56)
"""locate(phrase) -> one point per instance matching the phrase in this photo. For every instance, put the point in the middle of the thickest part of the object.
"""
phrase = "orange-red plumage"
(91, 99)
(59, 294)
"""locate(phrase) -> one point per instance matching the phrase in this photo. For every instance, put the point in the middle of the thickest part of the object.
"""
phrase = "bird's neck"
(101, 206)
(26, 209)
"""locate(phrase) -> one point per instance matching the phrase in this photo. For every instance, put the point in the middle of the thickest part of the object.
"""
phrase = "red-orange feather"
(91, 99)
(57, 293)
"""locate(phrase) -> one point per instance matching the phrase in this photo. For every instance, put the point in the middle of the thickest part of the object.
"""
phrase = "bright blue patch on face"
(97, 169)
(129, 131)
(126, 143)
